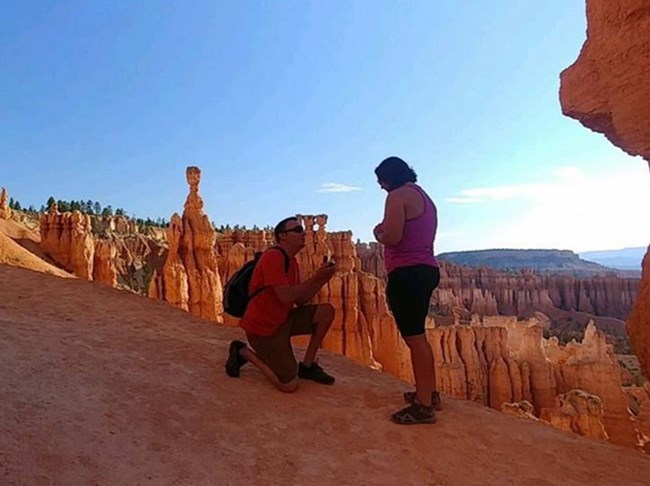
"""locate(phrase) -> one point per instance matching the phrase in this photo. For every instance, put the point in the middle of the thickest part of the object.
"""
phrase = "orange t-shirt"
(265, 313)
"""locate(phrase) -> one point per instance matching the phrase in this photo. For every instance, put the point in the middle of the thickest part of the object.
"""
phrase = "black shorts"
(408, 293)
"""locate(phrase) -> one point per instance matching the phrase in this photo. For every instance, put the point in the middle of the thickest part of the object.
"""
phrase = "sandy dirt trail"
(99, 386)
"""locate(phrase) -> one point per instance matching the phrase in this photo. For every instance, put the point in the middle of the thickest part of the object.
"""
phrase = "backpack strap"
(287, 262)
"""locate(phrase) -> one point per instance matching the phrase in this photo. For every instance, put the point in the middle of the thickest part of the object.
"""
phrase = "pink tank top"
(416, 246)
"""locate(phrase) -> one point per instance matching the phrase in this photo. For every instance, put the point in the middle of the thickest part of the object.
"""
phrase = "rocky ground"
(103, 386)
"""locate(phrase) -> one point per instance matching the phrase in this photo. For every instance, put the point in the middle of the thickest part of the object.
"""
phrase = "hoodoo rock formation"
(592, 367)
(68, 240)
(371, 256)
(235, 247)
(5, 210)
(490, 292)
(349, 334)
(607, 90)
(578, 412)
(464, 291)
(137, 257)
(190, 278)
(104, 269)
(118, 259)
(505, 361)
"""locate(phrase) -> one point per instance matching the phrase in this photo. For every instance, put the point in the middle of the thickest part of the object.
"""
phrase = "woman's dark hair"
(393, 172)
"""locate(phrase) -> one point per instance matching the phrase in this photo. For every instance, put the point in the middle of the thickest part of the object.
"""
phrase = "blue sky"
(281, 103)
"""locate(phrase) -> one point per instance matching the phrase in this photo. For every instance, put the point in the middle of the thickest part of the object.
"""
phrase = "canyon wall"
(607, 90)
(464, 291)
(119, 258)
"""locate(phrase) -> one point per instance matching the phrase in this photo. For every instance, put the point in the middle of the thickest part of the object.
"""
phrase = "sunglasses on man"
(297, 229)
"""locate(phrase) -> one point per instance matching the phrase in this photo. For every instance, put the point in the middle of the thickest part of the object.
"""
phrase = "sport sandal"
(436, 401)
(415, 414)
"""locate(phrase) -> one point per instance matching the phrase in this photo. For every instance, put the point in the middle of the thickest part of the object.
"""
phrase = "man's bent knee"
(289, 387)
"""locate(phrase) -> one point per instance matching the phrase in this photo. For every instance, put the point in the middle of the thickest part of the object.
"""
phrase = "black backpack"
(235, 293)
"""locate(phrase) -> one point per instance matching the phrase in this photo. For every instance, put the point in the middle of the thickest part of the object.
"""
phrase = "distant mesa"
(625, 259)
(538, 260)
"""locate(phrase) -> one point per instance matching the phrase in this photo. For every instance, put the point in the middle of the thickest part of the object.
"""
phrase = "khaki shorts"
(276, 350)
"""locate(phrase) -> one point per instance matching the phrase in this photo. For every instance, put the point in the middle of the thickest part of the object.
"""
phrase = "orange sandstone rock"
(579, 412)
(640, 408)
(607, 90)
(350, 331)
(5, 210)
(591, 366)
(607, 87)
(638, 324)
(190, 277)
(522, 409)
(234, 248)
(67, 239)
(104, 269)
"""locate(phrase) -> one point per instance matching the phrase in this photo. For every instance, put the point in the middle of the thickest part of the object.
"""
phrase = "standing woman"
(407, 233)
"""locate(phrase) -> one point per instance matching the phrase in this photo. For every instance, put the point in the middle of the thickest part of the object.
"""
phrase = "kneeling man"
(278, 311)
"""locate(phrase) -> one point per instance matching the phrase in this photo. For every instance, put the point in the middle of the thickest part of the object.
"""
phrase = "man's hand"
(325, 273)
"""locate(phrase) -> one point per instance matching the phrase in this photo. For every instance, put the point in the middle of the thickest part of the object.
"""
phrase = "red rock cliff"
(638, 324)
(607, 88)
(67, 239)
(608, 91)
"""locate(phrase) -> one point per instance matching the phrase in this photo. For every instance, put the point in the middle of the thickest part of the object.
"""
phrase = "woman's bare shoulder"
(402, 191)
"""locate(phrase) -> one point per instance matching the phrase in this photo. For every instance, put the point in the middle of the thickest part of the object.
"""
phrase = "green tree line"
(89, 207)
(222, 228)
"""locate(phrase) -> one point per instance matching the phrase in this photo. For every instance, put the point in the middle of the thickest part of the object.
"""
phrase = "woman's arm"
(394, 217)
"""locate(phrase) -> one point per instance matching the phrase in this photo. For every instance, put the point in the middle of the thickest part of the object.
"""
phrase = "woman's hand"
(392, 227)
(378, 232)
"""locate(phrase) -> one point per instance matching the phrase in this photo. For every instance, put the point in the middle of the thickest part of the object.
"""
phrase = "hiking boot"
(414, 414)
(436, 402)
(315, 373)
(235, 359)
